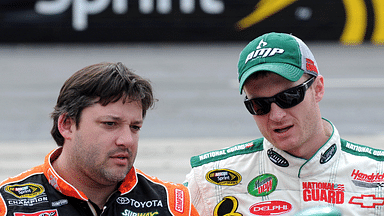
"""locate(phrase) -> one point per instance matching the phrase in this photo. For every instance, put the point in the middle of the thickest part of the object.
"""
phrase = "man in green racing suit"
(301, 161)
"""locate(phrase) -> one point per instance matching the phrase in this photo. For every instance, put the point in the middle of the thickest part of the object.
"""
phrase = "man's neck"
(96, 192)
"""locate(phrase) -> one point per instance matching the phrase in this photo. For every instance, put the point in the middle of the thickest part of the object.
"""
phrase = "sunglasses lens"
(258, 106)
(290, 98)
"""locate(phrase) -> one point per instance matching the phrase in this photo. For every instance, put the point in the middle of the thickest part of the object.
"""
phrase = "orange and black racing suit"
(41, 191)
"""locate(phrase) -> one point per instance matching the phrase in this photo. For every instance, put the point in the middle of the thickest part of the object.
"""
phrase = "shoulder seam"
(221, 154)
(362, 150)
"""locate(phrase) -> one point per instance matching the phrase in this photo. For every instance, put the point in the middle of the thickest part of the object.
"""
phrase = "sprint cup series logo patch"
(223, 177)
(28, 190)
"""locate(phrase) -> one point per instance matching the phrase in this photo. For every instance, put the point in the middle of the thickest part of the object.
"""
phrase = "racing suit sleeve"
(196, 195)
(3, 211)
(194, 211)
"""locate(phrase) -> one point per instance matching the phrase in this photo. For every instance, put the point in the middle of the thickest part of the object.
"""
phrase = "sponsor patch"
(372, 180)
(40, 213)
(262, 185)
(131, 213)
(28, 190)
(179, 200)
(59, 203)
(323, 192)
(327, 155)
(277, 159)
(139, 204)
(310, 66)
(227, 207)
(274, 207)
(367, 201)
(27, 201)
(223, 177)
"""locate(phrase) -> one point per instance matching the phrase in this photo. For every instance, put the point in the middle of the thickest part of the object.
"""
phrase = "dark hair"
(102, 83)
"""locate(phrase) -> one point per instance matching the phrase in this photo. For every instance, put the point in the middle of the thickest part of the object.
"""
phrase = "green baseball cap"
(280, 53)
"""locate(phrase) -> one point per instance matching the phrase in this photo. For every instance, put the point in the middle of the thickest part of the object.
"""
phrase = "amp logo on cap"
(263, 52)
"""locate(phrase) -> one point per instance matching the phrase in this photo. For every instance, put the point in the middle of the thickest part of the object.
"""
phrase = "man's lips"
(283, 129)
(121, 156)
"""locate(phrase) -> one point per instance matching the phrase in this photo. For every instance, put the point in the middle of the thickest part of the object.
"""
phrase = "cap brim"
(290, 72)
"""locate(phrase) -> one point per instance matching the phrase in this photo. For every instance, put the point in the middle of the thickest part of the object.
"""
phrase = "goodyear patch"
(223, 177)
(28, 190)
(262, 185)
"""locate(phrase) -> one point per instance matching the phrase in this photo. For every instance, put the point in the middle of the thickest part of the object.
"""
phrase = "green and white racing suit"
(255, 178)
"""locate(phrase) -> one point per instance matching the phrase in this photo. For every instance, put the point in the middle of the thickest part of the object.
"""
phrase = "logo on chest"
(323, 192)
(262, 185)
(223, 177)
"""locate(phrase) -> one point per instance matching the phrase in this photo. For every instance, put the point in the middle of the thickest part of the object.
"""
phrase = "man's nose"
(126, 137)
(277, 113)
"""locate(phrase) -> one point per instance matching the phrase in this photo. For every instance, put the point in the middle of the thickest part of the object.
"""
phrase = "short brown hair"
(102, 83)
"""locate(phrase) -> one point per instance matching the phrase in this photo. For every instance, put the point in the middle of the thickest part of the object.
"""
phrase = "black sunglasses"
(285, 99)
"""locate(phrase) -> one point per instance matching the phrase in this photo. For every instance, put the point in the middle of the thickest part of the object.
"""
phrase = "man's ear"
(319, 88)
(66, 125)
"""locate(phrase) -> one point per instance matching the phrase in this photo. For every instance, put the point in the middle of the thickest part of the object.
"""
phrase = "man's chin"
(116, 175)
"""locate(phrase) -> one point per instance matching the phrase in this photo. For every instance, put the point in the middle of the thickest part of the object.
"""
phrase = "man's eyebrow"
(117, 118)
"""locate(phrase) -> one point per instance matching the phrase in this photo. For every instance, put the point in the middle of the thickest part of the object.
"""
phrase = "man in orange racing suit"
(96, 123)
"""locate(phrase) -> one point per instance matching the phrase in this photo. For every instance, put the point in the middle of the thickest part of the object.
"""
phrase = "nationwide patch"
(323, 192)
(372, 180)
(28, 190)
(262, 185)
(225, 177)
(227, 207)
(274, 207)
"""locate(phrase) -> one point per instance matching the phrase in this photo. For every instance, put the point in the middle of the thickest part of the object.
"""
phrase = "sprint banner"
(351, 22)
